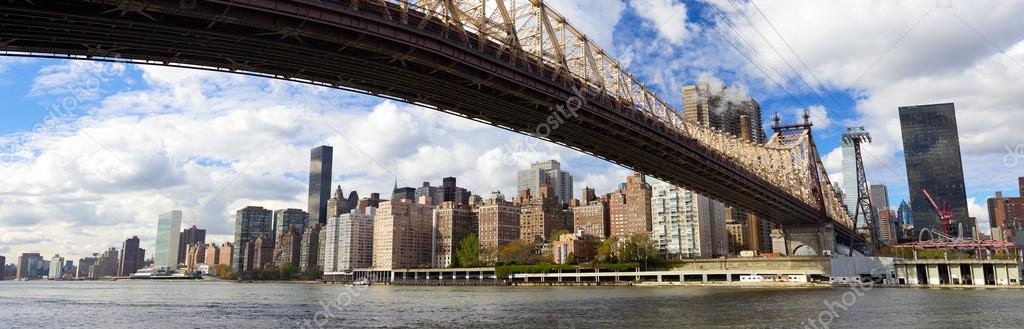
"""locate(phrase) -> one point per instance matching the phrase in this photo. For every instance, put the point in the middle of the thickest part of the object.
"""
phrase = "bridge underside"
(365, 50)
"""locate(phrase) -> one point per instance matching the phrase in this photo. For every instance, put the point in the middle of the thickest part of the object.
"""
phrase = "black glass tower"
(320, 160)
(931, 148)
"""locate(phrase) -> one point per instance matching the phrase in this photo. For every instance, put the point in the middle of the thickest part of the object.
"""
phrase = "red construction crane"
(945, 214)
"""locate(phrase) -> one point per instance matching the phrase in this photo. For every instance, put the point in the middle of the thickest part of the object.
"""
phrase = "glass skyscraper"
(168, 230)
(931, 148)
(320, 161)
(250, 223)
(850, 193)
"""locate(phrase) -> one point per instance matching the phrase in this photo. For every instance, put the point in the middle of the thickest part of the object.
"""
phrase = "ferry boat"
(163, 274)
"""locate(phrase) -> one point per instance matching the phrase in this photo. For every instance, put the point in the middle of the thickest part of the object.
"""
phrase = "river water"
(148, 304)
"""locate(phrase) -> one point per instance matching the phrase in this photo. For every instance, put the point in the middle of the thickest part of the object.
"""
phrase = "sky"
(91, 153)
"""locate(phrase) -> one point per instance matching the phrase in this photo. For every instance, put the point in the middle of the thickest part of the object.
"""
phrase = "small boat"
(361, 282)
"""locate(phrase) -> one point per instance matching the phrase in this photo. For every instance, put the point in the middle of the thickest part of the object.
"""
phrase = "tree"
(224, 272)
(638, 247)
(606, 251)
(517, 251)
(570, 259)
(287, 271)
(468, 254)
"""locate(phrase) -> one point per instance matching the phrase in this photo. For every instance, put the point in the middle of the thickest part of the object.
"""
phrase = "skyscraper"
(630, 207)
(288, 247)
(189, 237)
(286, 217)
(132, 257)
(498, 223)
(591, 216)
(56, 268)
(167, 234)
(540, 214)
(879, 197)
(905, 216)
(349, 243)
(687, 224)
(726, 109)
(320, 163)
(250, 222)
(401, 234)
(931, 148)
(850, 193)
(310, 256)
(546, 172)
(451, 223)
(30, 266)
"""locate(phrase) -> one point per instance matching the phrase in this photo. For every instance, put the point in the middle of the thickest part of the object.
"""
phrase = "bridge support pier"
(804, 240)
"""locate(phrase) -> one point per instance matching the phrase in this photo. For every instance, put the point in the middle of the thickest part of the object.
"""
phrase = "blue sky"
(141, 140)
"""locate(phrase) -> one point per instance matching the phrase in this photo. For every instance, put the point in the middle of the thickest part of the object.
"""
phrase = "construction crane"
(945, 214)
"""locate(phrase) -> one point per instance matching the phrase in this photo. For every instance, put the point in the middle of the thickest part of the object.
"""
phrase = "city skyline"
(221, 192)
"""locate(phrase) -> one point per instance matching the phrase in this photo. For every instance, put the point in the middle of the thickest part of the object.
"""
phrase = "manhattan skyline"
(150, 139)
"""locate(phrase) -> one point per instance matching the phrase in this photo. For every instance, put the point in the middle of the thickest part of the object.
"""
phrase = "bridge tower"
(805, 239)
(855, 136)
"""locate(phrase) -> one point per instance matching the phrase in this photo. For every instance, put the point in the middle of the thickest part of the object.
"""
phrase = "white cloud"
(595, 18)
(667, 17)
(211, 143)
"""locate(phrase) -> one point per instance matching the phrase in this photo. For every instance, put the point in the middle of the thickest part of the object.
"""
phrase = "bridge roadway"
(362, 49)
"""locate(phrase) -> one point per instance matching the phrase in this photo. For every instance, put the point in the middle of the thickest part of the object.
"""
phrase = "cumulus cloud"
(667, 17)
(210, 143)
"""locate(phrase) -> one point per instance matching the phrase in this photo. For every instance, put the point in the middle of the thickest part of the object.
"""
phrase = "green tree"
(517, 251)
(570, 259)
(224, 272)
(287, 271)
(640, 248)
(468, 254)
(606, 251)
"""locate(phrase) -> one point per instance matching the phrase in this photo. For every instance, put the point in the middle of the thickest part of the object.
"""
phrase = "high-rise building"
(403, 193)
(257, 254)
(540, 214)
(687, 224)
(168, 230)
(250, 222)
(338, 204)
(629, 207)
(106, 264)
(132, 257)
(906, 217)
(591, 216)
(879, 197)
(349, 243)
(887, 233)
(498, 223)
(850, 189)
(227, 252)
(310, 259)
(726, 110)
(84, 265)
(188, 237)
(3, 267)
(287, 217)
(288, 247)
(931, 149)
(30, 266)
(320, 163)
(212, 256)
(739, 236)
(402, 234)
(452, 222)
(195, 254)
(1006, 215)
(546, 173)
(56, 268)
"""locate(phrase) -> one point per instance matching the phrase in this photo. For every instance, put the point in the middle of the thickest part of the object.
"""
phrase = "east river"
(149, 304)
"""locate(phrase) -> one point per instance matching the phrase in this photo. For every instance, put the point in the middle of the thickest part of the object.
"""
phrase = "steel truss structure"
(507, 63)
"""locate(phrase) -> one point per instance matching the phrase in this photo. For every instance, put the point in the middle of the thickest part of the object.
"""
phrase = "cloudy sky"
(90, 153)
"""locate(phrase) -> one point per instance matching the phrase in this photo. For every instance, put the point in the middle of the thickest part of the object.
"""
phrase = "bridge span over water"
(506, 63)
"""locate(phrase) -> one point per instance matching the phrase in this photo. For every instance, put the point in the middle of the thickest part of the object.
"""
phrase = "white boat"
(361, 282)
